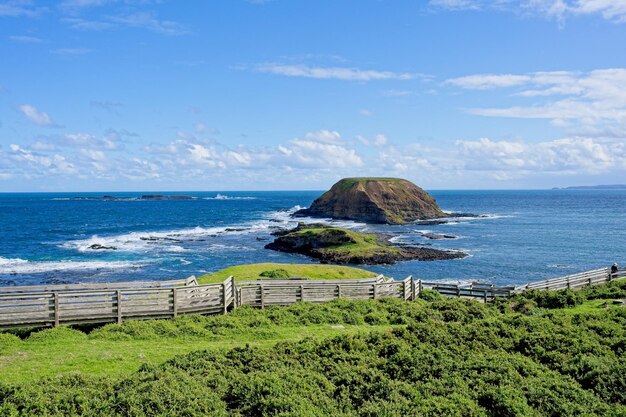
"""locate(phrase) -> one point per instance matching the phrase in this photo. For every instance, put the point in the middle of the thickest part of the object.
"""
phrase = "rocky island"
(375, 200)
(342, 246)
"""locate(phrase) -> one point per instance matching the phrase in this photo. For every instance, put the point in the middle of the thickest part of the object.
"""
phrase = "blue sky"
(109, 95)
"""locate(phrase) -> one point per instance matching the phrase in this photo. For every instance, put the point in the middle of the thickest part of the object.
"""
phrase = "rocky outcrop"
(165, 197)
(375, 200)
(342, 246)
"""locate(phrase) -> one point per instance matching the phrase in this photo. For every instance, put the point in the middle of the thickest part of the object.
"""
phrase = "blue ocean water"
(526, 235)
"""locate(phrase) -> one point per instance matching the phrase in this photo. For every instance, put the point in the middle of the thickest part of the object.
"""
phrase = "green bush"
(429, 295)
(275, 273)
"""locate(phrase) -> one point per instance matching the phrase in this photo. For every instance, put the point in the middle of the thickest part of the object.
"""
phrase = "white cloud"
(20, 8)
(378, 141)
(594, 98)
(135, 19)
(150, 21)
(36, 116)
(456, 4)
(111, 140)
(42, 146)
(334, 73)
(25, 39)
(611, 10)
(576, 155)
(488, 81)
(51, 164)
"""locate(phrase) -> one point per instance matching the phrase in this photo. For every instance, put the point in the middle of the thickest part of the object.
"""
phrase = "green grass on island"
(539, 353)
(360, 243)
(349, 182)
(337, 245)
(253, 272)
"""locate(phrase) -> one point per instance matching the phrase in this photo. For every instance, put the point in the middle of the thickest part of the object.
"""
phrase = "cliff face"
(375, 200)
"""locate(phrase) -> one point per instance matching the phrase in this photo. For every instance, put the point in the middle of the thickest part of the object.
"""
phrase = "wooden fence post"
(56, 309)
(301, 292)
(174, 303)
(375, 294)
(118, 296)
(262, 296)
(224, 305)
(412, 288)
(338, 291)
(458, 291)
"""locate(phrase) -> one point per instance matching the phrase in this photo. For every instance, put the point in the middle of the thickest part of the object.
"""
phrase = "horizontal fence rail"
(98, 286)
(53, 305)
(579, 280)
(74, 306)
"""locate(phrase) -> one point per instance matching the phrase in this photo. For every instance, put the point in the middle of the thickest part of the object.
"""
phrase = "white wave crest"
(174, 240)
(21, 266)
(227, 197)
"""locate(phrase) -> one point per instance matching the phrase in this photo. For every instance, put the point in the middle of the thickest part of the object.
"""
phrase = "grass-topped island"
(342, 246)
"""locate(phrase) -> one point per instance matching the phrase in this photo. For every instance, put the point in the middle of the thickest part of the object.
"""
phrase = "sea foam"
(21, 266)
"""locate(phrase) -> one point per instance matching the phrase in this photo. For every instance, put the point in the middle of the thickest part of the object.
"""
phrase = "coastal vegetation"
(253, 272)
(536, 354)
(343, 246)
(375, 200)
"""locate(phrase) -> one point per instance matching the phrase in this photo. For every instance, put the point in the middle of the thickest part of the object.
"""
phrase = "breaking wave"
(227, 197)
(21, 266)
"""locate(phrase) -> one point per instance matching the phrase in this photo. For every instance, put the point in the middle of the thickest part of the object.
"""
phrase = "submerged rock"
(165, 197)
(437, 236)
(97, 246)
(375, 200)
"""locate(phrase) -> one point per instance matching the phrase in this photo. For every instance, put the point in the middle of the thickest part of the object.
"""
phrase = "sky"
(127, 95)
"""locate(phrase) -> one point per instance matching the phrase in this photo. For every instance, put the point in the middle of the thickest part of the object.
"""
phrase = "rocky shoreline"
(341, 246)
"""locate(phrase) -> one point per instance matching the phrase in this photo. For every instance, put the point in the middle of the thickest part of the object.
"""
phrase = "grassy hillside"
(253, 272)
(537, 354)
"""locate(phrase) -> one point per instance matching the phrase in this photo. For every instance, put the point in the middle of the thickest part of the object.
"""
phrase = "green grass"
(62, 350)
(362, 243)
(592, 306)
(253, 272)
(347, 183)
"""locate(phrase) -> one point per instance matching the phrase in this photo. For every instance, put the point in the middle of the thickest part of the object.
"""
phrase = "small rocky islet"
(375, 200)
(367, 200)
(342, 246)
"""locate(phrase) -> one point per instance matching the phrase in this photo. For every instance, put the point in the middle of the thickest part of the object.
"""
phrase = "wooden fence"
(98, 286)
(574, 281)
(101, 303)
(284, 292)
(79, 305)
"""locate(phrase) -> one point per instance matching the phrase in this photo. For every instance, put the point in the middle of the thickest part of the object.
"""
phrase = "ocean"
(523, 235)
